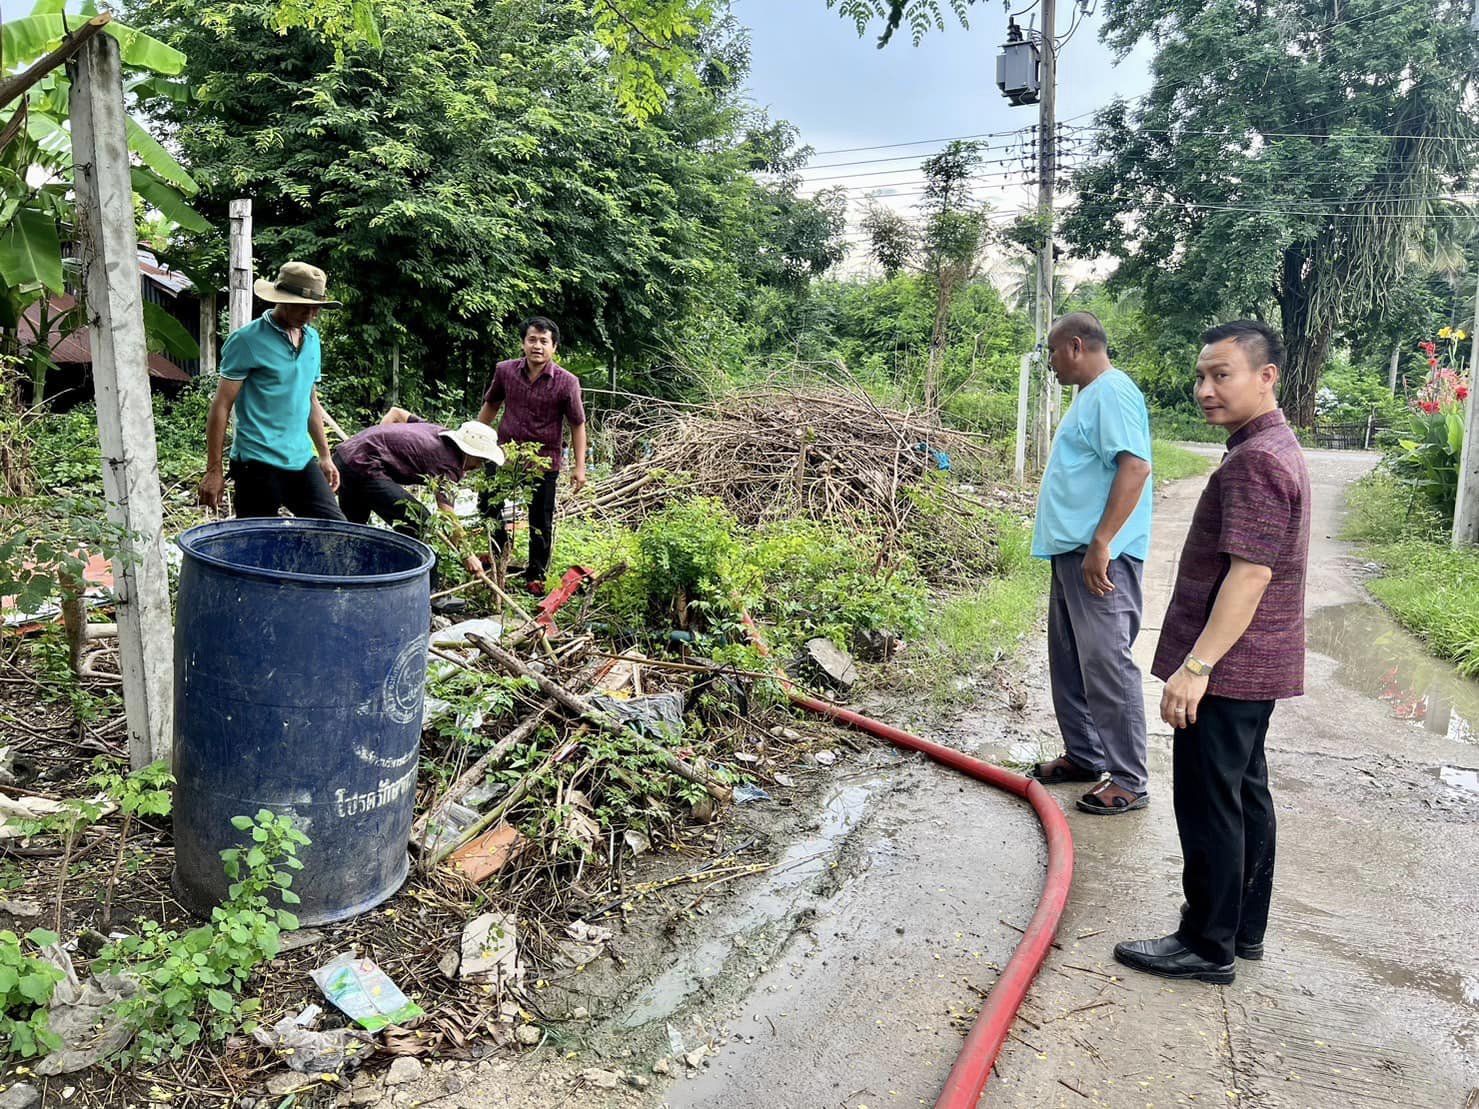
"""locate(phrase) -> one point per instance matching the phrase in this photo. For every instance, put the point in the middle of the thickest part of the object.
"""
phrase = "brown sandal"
(1062, 769)
(1110, 800)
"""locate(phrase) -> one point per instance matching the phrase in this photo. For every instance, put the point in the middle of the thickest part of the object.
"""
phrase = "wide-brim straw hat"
(477, 440)
(297, 283)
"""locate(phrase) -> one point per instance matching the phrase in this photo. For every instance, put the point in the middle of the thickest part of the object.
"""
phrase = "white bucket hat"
(477, 440)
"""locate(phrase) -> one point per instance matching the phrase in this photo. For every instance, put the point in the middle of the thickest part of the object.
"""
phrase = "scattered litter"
(446, 826)
(675, 1041)
(432, 710)
(655, 714)
(637, 841)
(486, 855)
(824, 758)
(582, 932)
(364, 993)
(834, 663)
(21, 910)
(490, 950)
(313, 1053)
(623, 674)
(83, 1015)
(746, 794)
(7, 766)
(15, 812)
(579, 821)
(785, 781)
(457, 634)
(478, 796)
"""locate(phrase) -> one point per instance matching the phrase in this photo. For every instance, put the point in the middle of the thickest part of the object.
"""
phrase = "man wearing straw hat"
(403, 449)
(269, 374)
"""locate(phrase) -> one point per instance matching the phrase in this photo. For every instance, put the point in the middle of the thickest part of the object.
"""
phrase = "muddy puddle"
(1378, 658)
(765, 915)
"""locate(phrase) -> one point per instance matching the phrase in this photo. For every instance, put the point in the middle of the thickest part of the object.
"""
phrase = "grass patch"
(1168, 462)
(1430, 589)
(973, 630)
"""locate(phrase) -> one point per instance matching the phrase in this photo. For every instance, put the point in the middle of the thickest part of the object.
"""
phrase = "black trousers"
(361, 494)
(1225, 816)
(262, 489)
(541, 526)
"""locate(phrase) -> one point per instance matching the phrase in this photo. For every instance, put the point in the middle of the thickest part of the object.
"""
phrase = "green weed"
(191, 982)
(26, 985)
(1168, 462)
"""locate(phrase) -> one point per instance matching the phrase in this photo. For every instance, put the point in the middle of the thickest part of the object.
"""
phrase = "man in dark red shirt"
(1232, 643)
(538, 398)
(403, 449)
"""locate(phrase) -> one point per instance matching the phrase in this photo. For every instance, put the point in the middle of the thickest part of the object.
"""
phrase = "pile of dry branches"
(834, 455)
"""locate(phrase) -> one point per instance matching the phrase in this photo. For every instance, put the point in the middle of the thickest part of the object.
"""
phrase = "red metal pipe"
(977, 1056)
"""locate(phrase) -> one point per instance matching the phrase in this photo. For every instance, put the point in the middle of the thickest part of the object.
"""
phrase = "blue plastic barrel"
(300, 657)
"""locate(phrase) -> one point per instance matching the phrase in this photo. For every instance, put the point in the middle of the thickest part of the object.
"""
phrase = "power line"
(920, 142)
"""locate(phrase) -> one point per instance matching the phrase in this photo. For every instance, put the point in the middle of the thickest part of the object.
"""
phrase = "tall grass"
(1429, 588)
(975, 629)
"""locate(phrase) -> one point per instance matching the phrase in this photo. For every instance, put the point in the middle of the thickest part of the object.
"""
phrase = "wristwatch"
(1197, 666)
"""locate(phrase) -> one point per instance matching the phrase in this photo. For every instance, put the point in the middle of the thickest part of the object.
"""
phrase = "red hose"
(978, 1055)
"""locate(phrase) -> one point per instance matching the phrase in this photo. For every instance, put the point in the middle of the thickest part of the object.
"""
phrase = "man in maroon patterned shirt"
(538, 398)
(1232, 643)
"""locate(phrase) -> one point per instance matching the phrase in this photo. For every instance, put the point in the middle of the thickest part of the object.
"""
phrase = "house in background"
(70, 382)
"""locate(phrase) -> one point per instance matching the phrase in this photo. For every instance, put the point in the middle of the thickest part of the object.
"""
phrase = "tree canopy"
(1287, 159)
(480, 166)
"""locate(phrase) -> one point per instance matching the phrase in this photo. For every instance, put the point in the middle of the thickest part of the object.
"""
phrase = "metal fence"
(1348, 436)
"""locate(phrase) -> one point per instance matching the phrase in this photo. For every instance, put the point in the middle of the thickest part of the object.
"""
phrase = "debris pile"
(832, 455)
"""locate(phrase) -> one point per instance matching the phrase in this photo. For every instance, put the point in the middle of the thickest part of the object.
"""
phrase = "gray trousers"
(1097, 689)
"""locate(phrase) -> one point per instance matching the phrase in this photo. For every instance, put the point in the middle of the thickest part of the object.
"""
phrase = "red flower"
(1462, 392)
(1427, 347)
(1432, 363)
(1429, 406)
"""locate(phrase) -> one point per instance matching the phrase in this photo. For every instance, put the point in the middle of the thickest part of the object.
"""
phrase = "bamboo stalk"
(586, 710)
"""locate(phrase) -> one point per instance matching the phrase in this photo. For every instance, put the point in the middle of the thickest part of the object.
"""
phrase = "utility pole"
(1047, 172)
(108, 248)
(1466, 509)
(240, 278)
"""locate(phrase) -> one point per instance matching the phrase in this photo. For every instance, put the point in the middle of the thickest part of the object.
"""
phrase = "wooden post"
(395, 374)
(241, 264)
(209, 312)
(109, 253)
(1024, 388)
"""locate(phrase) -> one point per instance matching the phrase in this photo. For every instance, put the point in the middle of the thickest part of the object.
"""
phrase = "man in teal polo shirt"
(269, 373)
(1093, 522)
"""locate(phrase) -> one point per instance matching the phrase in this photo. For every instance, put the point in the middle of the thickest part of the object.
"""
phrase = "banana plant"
(36, 194)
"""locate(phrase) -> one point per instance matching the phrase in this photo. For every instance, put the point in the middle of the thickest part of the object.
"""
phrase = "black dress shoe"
(1245, 950)
(1170, 958)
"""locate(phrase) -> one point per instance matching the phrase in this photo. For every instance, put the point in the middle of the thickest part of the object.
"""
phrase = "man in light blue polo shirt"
(1093, 522)
(269, 373)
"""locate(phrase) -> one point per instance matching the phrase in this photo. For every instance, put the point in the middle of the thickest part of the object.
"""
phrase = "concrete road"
(1369, 994)
(846, 974)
